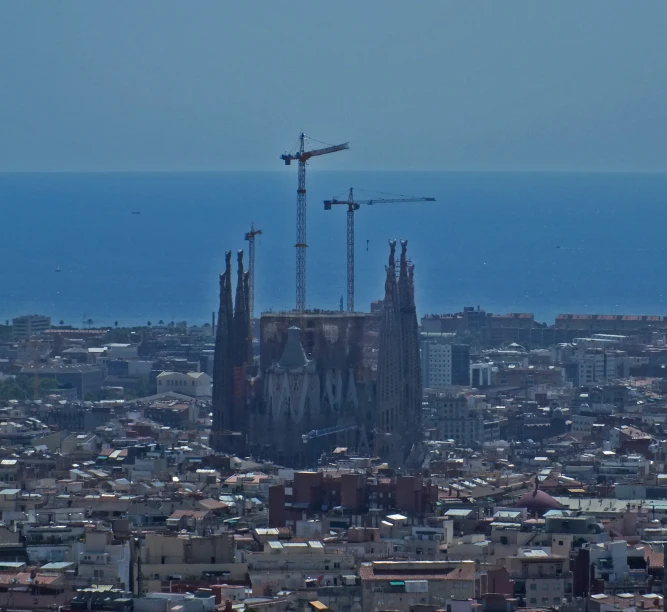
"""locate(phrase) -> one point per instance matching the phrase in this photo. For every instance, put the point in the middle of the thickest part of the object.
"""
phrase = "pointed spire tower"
(241, 322)
(390, 368)
(410, 349)
(247, 284)
(398, 376)
(222, 363)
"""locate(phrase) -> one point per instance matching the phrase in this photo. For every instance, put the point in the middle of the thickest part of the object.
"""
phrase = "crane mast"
(250, 237)
(302, 156)
(301, 244)
(352, 206)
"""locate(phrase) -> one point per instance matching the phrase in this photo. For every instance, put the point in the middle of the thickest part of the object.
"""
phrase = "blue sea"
(508, 242)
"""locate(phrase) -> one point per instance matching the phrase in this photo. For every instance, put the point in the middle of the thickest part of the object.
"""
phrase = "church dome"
(538, 501)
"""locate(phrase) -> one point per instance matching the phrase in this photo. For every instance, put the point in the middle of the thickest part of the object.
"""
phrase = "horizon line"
(323, 171)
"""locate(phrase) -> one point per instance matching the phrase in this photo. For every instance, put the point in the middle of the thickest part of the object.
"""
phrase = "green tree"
(143, 387)
(22, 387)
(149, 323)
(160, 322)
(62, 323)
(115, 323)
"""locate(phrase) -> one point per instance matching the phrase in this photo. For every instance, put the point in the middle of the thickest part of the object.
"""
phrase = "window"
(556, 601)
(533, 600)
(533, 587)
(545, 586)
(545, 601)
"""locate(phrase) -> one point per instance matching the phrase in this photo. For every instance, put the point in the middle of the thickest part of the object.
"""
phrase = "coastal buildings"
(27, 326)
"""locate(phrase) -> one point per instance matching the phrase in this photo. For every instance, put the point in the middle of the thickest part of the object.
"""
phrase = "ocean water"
(542, 243)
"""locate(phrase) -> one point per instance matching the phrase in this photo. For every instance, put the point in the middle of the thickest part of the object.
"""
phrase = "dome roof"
(538, 501)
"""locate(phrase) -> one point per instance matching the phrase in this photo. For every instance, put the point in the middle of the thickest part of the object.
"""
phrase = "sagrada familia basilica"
(318, 382)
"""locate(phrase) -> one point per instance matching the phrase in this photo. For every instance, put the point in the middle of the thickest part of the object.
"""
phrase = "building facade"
(444, 364)
(194, 384)
(29, 325)
(455, 419)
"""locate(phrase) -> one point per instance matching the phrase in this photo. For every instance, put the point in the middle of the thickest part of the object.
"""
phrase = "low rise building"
(194, 384)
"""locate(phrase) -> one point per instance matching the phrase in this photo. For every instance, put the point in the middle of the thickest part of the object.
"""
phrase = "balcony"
(555, 574)
(103, 559)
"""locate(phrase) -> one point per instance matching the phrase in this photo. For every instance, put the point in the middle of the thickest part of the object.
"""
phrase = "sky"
(164, 85)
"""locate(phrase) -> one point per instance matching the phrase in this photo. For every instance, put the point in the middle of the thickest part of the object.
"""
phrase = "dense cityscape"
(331, 460)
(219, 393)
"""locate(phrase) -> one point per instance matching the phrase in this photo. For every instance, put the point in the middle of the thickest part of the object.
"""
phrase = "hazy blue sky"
(429, 84)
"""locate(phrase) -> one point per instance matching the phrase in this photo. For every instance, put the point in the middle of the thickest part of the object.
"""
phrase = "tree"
(160, 322)
(148, 323)
(22, 387)
(62, 323)
(115, 323)
(142, 387)
(89, 322)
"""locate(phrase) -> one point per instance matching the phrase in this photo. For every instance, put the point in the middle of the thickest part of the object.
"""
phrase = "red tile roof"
(656, 560)
(367, 572)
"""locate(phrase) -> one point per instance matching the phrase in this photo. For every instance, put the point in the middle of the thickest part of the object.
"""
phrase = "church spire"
(389, 372)
(403, 282)
(222, 373)
(240, 315)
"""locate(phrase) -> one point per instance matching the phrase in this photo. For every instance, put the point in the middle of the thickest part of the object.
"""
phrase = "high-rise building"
(443, 363)
(29, 325)
(399, 382)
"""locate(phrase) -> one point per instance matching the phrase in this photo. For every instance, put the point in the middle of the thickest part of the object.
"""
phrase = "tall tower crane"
(352, 206)
(302, 156)
(250, 237)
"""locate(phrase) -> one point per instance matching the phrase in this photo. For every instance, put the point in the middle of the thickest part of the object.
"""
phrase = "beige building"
(287, 565)
(183, 557)
(103, 559)
(397, 585)
(541, 577)
(194, 384)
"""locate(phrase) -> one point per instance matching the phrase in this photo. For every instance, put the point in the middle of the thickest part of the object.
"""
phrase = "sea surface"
(508, 242)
